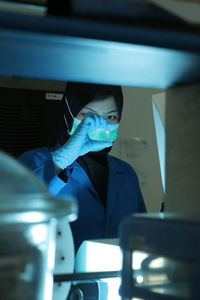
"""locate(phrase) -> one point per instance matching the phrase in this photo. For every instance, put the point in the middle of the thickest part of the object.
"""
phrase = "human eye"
(112, 118)
(81, 115)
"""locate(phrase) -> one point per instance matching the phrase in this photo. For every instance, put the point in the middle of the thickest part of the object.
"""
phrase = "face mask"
(99, 134)
(76, 122)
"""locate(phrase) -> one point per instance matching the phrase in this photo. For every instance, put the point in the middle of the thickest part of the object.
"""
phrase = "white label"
(53, 96)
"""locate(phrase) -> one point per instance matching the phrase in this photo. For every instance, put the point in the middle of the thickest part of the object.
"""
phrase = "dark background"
(27, 120)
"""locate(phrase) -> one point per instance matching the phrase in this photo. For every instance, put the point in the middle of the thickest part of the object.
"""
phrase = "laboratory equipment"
(97, 271)
(167, 248)
(28, 220)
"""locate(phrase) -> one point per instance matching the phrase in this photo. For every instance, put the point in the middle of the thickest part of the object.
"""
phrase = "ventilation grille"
(27, 120)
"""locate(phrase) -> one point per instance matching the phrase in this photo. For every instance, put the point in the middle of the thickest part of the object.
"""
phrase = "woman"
(106, 187)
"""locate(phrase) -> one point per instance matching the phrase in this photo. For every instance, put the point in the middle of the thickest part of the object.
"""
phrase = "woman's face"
(105, 107)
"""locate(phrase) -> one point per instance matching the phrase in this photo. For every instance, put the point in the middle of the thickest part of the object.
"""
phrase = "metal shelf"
(82, 50)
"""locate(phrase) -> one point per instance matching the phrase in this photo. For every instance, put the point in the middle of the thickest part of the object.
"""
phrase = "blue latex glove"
(80, 143)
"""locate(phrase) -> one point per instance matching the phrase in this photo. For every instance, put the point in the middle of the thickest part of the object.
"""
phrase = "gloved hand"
(80, 143)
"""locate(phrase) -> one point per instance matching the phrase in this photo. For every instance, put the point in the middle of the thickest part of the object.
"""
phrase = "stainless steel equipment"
(28, 219)
(160, 257)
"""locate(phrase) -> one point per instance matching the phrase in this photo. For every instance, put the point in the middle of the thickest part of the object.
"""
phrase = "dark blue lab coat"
(94, 220)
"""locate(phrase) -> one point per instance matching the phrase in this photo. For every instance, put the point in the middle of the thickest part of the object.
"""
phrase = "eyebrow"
(92, 110)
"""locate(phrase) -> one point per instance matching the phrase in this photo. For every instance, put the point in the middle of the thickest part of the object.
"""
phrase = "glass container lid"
(23, 195)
